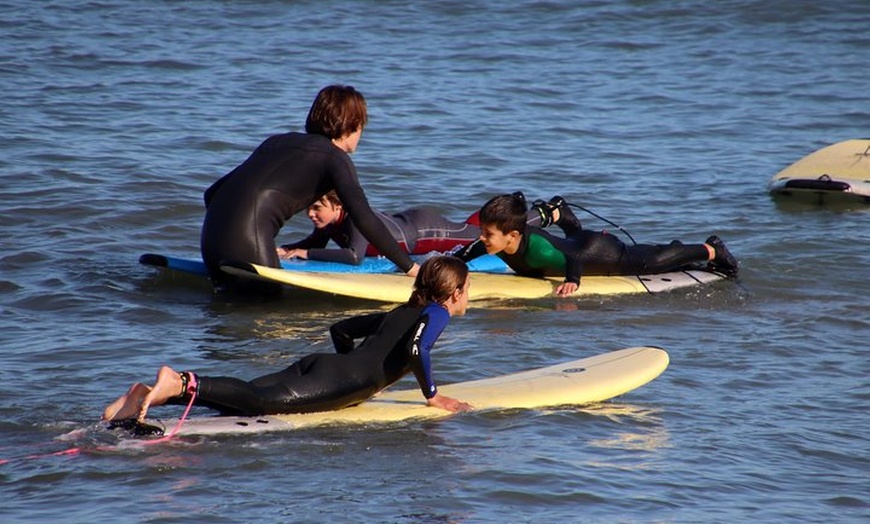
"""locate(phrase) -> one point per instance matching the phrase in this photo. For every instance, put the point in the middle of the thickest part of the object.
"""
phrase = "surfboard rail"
(396, 288)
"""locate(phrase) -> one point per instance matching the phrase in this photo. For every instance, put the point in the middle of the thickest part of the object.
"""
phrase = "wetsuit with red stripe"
(395, 343)
(584, 252)
(287, 173)
(418, 231)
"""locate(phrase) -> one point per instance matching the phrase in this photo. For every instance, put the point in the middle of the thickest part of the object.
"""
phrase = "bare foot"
(128, 404)
(167, 386)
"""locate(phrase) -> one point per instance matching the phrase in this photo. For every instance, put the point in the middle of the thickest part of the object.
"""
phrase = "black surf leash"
(599, 217)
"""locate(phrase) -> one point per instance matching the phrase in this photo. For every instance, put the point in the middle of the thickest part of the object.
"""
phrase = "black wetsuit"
(287, 173)
(396, 343)
(418, 230)
(583, 252)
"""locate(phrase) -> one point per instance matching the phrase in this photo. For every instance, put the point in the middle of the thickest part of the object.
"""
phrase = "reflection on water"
(640, 429)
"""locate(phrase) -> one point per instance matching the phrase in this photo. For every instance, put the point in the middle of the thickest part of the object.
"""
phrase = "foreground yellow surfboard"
(836, 173)
(577, 382)
(484, 286)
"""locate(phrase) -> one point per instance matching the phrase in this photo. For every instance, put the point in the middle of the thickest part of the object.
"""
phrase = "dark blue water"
(666, 117)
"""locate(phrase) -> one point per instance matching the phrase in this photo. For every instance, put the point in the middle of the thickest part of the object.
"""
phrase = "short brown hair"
(336, 112)
(506, 212)
(332, 197)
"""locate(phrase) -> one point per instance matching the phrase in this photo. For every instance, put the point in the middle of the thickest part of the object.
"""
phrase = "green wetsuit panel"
(542, 254)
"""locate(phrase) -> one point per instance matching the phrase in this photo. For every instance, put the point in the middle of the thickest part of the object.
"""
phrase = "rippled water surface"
(666, 117)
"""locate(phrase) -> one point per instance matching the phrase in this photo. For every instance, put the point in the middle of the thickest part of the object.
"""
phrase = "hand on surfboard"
(292, 253)
(566, 288)
(448, 403)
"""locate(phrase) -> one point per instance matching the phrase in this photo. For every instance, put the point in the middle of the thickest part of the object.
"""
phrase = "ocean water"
(666, 117)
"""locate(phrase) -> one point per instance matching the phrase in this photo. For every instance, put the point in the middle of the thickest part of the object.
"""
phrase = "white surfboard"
(577, 382)
(836, 173)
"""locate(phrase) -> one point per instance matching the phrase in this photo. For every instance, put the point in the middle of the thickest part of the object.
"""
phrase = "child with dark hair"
(532, 251)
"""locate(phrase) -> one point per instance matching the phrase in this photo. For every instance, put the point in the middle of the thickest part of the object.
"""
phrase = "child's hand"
(566, 288)
(448, 403)
(414, 270)
(292, 253)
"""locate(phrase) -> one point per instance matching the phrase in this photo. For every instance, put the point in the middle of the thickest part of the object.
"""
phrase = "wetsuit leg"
(661, 258)
(427, 230)
(237, 232)
(318, 382)
(599, 253)
(217, 248)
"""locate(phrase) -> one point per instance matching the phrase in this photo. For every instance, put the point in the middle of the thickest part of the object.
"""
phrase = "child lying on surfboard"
(418, 231)
(531, 251)
(395, 343)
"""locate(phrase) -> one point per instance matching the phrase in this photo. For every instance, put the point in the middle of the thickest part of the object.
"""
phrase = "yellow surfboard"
(578, 382)
(484, 286)
(836, 173)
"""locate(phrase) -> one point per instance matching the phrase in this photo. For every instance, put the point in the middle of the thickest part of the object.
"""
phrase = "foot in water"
(127, 406)
(140, 397)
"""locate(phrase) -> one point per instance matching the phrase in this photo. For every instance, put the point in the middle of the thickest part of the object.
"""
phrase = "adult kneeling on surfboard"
(395, 343)
(532, 251)
(287, 173)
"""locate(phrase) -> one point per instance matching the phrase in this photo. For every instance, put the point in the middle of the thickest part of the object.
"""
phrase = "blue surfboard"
(484, 264)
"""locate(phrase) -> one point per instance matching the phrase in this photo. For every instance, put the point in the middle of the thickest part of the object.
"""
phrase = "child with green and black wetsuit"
(531, 251)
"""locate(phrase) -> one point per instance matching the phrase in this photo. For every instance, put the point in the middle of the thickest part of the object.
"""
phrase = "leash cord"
(599, 217)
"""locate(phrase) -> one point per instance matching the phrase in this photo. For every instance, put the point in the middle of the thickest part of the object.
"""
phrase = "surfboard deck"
(377, 265)
(484, 286)
(836, 173)
(577, 382)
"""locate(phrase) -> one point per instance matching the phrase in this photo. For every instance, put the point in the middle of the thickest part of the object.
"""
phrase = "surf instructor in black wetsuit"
(287, 173)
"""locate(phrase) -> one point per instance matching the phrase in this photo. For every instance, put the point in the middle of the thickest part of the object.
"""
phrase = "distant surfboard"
(833, 174)
(578, 382)
(484, 286)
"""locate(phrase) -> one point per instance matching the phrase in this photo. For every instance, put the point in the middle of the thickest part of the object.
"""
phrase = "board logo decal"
(573, 370)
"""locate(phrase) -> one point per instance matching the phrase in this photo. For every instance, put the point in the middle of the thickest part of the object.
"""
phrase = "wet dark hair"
(336, 112)
(506, 212)
(437, 279)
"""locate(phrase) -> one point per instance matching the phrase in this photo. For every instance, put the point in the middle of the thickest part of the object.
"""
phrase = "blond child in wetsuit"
(419, 230)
